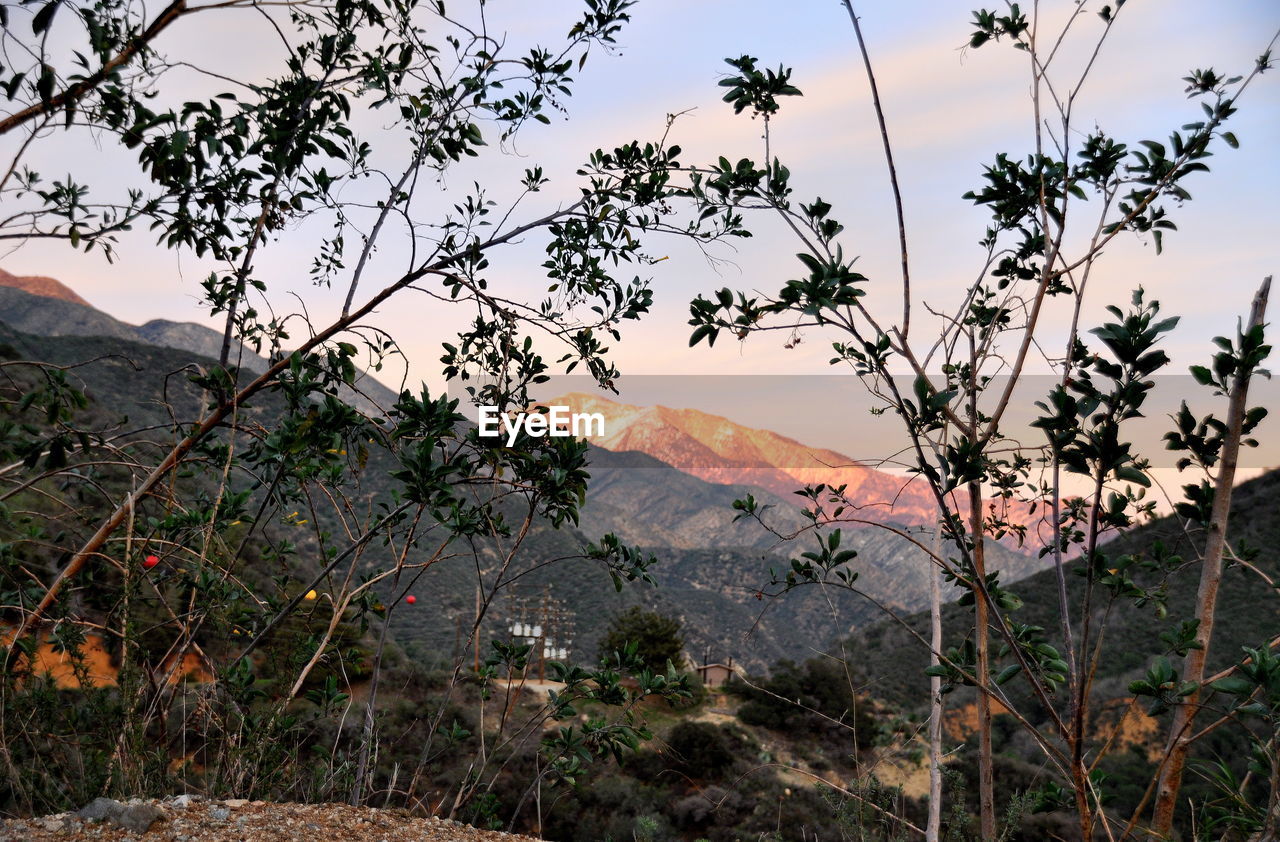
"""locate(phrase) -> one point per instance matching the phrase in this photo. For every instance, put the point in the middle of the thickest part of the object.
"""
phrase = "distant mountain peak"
(42, 286)
(43, 306)
(717, 449)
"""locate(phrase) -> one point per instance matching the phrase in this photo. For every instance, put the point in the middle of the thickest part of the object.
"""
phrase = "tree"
(655, 637)
(228, 482)
(953, 409)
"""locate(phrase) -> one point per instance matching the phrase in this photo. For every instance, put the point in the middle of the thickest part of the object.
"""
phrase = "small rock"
(236, 802)
(257, 803)
(99, 808)
(220, 813)
(52, 825)
(183, 801)
(135, 817)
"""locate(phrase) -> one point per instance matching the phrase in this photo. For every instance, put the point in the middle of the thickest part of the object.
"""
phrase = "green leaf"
(1234, 686)
(44, 17)
(707, 332)
(44, 85)
(1008, 673)
(1128, 473)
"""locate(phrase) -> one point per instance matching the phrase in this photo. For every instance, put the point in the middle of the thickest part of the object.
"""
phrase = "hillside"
(40, 315)
(1132, 638)
(711, 567)
(689, 512)
(66, 314)
(126, 380)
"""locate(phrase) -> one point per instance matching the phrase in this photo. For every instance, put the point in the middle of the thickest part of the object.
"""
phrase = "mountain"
(710, 566)
(649, 502)
(47, 316)
(195, 338)
(47, 307)
(719, 594)
(720, 450)
(127, 380)
(713, 569)
(42, 286)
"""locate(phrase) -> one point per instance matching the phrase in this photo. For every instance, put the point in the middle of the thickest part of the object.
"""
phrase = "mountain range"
(663, 479)
(42, 286)
(720, 450)
(47, 307)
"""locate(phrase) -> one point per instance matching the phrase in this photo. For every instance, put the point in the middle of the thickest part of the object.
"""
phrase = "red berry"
(151, 561)
(411, 599)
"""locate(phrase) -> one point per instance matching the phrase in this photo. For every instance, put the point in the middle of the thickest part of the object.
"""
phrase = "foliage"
(953, 407)
(814, 698)
(655, 638)
(289, 514)
(703, 749)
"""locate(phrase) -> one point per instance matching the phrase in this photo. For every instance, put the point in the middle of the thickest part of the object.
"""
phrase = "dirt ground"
(187, 819)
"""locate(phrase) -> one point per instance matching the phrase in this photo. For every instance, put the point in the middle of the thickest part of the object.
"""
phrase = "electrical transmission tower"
(544, 623)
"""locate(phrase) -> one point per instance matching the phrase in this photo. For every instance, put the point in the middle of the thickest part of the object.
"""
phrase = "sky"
(949, 111)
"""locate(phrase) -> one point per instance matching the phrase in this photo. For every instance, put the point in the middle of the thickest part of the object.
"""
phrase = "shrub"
(702, 749)
(656, 637)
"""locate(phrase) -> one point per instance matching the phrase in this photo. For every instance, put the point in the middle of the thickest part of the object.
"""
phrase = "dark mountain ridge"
(1248, 610)
(43, 315)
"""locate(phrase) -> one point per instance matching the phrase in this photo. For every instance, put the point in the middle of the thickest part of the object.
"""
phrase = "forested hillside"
(897, 659)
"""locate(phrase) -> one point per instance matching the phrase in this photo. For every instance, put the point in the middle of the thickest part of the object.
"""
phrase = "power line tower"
(544, 623)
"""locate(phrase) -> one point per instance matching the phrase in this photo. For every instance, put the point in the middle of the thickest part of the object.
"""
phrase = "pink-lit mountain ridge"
(719, 450)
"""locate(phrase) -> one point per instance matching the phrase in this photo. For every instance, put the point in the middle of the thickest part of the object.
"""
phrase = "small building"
(715, 675)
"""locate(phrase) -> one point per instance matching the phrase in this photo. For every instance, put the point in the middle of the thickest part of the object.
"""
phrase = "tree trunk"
(986, 786)
(1181, 730)
(933, 830)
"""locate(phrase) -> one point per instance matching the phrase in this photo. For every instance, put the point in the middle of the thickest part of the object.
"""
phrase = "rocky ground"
(190, 819)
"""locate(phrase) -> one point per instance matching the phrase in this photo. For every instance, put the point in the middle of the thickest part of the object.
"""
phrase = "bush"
(805, 699)
(656, 637)
(701, 749)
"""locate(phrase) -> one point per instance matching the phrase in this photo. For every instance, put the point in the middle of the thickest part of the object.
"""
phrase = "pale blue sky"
(949, 110)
